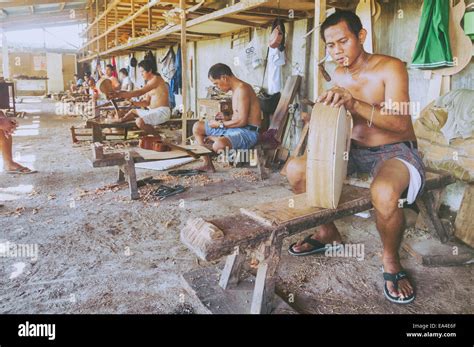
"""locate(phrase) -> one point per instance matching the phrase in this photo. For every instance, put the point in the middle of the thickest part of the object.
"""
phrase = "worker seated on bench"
(7, 128)
(241, 131)
(383, 144)
(77, 84)
(156, 99)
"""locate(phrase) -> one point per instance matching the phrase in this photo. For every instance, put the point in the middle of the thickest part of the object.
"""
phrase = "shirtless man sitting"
(109, 73)
(7, 128)
(383, 144)
(241, 131)
(156, 99)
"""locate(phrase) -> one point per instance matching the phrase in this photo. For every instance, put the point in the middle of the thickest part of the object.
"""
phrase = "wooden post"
(184, 69)
(230, 274)
(116, 28)
(319, 46)
(132, 3)
(97, 24)
(149, 18)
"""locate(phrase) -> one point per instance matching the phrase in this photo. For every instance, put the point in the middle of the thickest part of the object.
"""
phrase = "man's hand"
(214, 124)
(336, 97)
(117, 95)
(7, 125)
(219, 116)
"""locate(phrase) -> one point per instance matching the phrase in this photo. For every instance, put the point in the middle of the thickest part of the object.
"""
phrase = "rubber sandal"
(164, 191)
(395, 278)
(318, 247)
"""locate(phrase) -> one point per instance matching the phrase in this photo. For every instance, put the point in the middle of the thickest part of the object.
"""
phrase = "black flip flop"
(164, 191)
(318, 247)
(395, 278)
(184, 172)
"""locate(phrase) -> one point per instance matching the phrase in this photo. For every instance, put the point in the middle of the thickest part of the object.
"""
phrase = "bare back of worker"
(245, 104)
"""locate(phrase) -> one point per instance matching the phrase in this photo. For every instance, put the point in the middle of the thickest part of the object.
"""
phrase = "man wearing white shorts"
(155, 101)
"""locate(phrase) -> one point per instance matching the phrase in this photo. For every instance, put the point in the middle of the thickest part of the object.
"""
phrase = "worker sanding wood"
(383, 144)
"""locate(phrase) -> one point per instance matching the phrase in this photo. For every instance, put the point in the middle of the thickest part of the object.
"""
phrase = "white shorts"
(155, 116)
(415, 182)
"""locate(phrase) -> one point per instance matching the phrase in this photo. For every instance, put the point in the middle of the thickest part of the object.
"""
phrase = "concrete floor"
(101, 253)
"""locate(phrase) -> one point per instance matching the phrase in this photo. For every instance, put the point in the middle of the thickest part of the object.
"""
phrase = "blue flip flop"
(318, 247)
(395, 278)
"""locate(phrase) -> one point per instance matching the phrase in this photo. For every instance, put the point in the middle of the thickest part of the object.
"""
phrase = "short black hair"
(124, 71)
(218, 70)
(352, 20)
(110, 66)
(147, 65)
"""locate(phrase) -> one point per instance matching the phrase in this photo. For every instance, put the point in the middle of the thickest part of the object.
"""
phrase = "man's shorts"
(369, 160)
(240, 138)
(155, 116)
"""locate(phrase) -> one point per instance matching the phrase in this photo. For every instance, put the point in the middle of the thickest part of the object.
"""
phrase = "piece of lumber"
(231, 271)
(426, 205)
(464, 224)
(149, 155)
(292, 209)
(280, 116)
(264, 291)
(431, 252)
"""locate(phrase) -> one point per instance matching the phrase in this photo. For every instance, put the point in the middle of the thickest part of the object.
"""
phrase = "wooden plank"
(280, 116)
(293, 208)
(231, 272)
(433, 253)
(184, 76)
(319, 46)
(464, 224)
(149, 155)
(239, 7)
(202, 283)
(426, 205)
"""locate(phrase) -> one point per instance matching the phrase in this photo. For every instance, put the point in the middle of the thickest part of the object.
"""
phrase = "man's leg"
(147, 128)
(130, 115)
(387, 187)
(6, 145)
(326, 233)
(199, 132)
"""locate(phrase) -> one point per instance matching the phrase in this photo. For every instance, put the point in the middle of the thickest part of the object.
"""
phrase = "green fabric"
(433, 49)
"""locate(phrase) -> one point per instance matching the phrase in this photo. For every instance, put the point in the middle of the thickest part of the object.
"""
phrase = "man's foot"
(325, 236)
(397, 287)
(16, 168)
(207, 167)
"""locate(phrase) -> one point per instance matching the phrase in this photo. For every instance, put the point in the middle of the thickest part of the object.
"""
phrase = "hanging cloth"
(433, 49)
(176, 81)
(168, 65)
(114, 73)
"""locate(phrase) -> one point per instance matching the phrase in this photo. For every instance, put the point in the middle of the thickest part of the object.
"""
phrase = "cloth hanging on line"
(276, 59)
(176, 81)
(168, 64)
(433, 48)
(114, 73)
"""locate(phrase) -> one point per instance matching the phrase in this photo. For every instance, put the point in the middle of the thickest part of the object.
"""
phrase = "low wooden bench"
(262, 228)
(126, 161)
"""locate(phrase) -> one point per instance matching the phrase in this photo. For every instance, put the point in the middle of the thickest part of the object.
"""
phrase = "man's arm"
(142, 103)
(396, 93)
(240, 118)
(136, 93)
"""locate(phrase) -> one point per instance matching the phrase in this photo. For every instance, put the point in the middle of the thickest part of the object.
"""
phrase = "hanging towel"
(276, 59)
(168, 67)
(114, 73)
(176, 81)
(433, 49)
